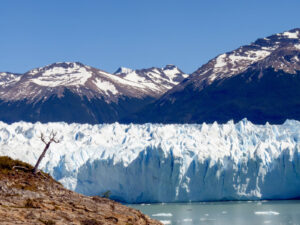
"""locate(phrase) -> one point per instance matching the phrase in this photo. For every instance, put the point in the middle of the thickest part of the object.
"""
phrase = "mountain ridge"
(54, 92)
(163, 95)
(209, 94)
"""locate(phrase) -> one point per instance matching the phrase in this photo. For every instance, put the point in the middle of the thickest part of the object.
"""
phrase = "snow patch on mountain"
(157, 79)
(134, 77)
(7, 79)
(57, 67)
(58, 76)
(220, 61)
(292, 35)
(297, 46)
(122, 81)
(227, 65)
(65, 78)
(106, 87)
(172, 72)
(123, 70)
(166, 163)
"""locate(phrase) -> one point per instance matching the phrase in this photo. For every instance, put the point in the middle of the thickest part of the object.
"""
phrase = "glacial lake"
(225, 213)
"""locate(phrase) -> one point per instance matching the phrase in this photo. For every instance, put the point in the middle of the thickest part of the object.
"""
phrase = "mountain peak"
(292, 34)
(67, 64)
(158, 80)
(237, 61)
(259, 81)
(170, 67)
(58, 68)
(60, 74)
(123, 70)
(295, 29)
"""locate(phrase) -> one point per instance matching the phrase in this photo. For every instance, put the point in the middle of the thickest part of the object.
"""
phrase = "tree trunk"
(35, 170)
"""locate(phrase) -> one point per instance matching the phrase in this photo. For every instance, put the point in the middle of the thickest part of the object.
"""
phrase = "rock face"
(73, 92)
(259, 81)
(38, 199)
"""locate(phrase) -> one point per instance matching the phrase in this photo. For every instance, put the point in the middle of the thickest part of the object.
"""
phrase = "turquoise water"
(225, 213)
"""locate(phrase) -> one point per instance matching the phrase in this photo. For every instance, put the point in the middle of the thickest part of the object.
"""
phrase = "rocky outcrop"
(26, 198)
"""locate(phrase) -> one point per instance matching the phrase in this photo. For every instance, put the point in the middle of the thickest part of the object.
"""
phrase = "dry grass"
(10, 167)
(7, 164)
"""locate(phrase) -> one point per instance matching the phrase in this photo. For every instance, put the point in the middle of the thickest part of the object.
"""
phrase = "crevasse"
(166, 163)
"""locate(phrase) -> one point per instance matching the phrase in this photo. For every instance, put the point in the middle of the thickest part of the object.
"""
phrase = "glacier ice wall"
(166, 163)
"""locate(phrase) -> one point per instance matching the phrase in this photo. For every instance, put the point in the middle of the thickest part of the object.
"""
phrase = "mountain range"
(259, 81)
(73, 92)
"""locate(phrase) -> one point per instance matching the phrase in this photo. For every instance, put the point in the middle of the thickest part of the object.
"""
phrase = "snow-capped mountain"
(166, 163)
(123, 70)
(158, 79)
(253, 81)
(80, 79)
(8, 79)
(263, 53)
(58, 91)
(260, 81)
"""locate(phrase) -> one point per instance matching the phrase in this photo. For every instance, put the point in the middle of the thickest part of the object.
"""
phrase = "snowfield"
(166, 163)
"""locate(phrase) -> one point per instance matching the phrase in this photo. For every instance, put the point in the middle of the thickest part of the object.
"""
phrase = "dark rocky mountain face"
(272, 98)
(73, 92)
(259, 81)
(70, 107)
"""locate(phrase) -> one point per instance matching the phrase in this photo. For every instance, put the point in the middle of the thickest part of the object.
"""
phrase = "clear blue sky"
(134, 33)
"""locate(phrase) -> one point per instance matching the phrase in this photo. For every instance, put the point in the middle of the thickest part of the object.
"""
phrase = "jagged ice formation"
(166, 163)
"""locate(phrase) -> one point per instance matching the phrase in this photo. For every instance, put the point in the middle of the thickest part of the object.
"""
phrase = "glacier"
(166, 163)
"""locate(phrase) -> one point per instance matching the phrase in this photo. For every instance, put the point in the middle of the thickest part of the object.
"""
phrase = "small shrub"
(106, 194)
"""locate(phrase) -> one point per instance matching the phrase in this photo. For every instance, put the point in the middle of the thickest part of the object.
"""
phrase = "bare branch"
(52, 137)
(42, 137)
(56, 141)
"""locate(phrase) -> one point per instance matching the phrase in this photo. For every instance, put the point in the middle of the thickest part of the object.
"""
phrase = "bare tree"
(51, 138)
